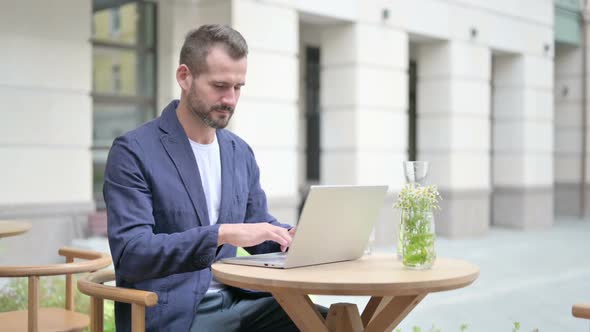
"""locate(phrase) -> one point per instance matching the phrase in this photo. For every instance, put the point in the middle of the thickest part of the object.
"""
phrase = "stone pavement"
(530, 277)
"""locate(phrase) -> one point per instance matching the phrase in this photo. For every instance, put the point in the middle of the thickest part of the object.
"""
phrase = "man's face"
(214, 94)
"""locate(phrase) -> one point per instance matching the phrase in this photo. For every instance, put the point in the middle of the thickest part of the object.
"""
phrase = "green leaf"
(516, 327)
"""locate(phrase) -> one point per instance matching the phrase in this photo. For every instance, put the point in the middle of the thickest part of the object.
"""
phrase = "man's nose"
(230, 98)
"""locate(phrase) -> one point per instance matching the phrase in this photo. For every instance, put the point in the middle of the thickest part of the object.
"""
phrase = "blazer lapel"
(227, 148)
(177, 146)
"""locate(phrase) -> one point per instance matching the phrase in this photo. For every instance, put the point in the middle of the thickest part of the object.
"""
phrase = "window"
(312, 115)
(124, 75)
(115, 21)
(116, 75)
(412, 124)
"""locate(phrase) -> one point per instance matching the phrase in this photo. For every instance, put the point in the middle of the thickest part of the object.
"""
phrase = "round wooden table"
(394, 290)
(12, 227)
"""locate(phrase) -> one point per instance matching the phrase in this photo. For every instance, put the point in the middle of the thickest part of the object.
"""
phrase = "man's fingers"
(278, 239)
(281, 236)
(253, 234)
(286, 235)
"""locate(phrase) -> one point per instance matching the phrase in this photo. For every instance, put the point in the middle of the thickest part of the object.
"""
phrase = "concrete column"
(453, 120)
(586, 103)
(364, 101)
(523, 141)
(175, 19)
(46, 126)
(568, 130)
(569, 126)
(364, 104)
(266, 116)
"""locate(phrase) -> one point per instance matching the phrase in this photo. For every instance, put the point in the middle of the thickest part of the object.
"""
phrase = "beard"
(206, 113)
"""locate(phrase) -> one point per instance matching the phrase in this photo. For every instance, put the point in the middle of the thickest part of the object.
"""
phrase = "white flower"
(413, 196)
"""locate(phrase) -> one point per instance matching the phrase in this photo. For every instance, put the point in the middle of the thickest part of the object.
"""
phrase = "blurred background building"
(492, 93)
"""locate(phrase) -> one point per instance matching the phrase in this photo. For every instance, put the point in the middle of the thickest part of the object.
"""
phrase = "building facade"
(492, 93)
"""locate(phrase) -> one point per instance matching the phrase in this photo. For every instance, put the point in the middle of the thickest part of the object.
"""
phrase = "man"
(182, 192)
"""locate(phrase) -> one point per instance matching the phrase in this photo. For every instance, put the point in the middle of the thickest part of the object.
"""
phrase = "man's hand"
(248, 235)
(292, 231)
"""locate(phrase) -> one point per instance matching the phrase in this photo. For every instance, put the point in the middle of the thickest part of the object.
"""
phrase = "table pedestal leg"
(379, 312)
(375, 305)
(302, 311)
(344, 317)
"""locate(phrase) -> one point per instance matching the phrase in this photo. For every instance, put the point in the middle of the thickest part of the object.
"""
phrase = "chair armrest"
(70, 252)
(581, 310)
(92, 285)
(94, 261)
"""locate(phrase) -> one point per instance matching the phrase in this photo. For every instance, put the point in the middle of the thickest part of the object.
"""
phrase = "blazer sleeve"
(138, 253)
(257, 208)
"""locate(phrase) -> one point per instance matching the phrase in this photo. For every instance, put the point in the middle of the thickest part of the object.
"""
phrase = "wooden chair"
(37, 319)
(92, 285)
(581, 310)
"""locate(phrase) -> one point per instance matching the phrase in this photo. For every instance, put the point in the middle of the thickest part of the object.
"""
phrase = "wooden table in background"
(394, 290)
(13, 227)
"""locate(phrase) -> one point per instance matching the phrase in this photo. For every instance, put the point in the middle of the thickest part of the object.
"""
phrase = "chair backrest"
(93, 261)
(93, 286)
(581, 310)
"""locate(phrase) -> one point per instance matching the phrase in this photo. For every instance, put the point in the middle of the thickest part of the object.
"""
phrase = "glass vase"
(415, 174)
(417, 237)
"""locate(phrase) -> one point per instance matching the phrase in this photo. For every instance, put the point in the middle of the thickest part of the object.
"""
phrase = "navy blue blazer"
(158, 224)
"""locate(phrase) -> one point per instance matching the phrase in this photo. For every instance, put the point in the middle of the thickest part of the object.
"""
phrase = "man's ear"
(184, 77)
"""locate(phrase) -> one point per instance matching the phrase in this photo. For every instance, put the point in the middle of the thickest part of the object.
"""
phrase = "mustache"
(222, 108)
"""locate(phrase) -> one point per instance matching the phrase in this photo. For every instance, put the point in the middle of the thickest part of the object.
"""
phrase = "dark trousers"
(232, 310)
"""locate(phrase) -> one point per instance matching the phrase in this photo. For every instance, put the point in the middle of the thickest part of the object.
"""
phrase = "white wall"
(453, 113)
(364, 85)
(568, 114)
(523, 121)
(175, 19)
(45, 84)
(364, 100)
(268, 111)
(512, 26)
(345, 10)
(267, 116)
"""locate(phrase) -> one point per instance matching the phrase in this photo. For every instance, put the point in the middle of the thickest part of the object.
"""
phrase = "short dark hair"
(199, 42)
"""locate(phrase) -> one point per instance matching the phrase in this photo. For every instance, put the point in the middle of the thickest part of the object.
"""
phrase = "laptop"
(334, 226)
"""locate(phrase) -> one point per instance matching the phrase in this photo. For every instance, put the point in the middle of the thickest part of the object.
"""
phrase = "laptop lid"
(335, 224)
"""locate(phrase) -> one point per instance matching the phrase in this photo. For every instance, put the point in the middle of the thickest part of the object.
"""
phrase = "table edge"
(348, 289)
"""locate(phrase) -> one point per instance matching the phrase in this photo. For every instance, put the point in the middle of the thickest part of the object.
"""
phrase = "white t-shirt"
(209, 162)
